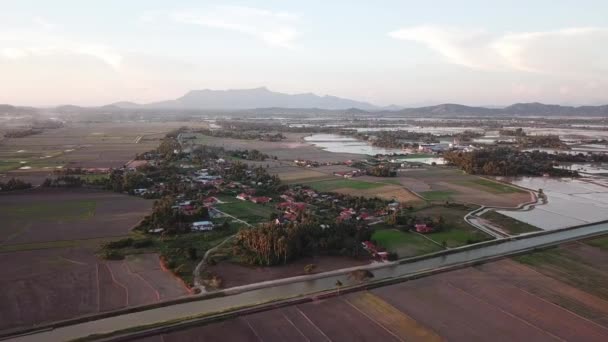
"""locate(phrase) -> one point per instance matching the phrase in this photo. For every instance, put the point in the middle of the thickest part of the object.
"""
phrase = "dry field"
(387, 192)
(529, 298)
(441, 184)
(45, 215)
(79, 145)
(49, 238)
(289, 149)
(54, 284)
(236, 275)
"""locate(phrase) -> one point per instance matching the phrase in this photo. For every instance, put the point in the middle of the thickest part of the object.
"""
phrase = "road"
(199, 268)
(282, 289)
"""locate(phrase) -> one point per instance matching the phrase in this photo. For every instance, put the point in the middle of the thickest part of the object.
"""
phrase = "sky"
(409, 53)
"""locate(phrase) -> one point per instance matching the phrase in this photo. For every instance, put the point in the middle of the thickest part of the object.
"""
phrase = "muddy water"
(570, 202)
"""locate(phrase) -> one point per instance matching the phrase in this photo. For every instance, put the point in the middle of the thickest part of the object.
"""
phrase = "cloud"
(581, 51)
(272, 27)
(20, 44)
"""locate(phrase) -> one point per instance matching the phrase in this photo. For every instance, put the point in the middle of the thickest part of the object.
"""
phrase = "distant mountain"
(250, 99)
(9, 110)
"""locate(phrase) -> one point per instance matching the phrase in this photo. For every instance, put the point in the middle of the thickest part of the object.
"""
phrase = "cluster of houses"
(249, 195)
(349, 174)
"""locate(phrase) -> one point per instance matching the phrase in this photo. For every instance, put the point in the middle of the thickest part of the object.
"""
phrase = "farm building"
(202, 226)
(423, 228)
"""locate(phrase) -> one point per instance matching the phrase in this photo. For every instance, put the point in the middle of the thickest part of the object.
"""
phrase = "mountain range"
(266, 102)
(236, 99)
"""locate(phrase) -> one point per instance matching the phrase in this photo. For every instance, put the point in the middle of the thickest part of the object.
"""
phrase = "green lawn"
(64, 210)
(247, 211)
(491, 186)
(437, 195)
(509, 224)
(330, 185)
(403, 243)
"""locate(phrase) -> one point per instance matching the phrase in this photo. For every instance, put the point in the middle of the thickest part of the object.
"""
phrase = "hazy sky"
(475, 52)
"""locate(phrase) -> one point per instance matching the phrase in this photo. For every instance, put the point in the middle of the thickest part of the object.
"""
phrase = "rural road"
(197, 271)
(453, 258)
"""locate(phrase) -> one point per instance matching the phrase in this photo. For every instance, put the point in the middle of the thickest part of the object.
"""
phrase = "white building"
(202, 226)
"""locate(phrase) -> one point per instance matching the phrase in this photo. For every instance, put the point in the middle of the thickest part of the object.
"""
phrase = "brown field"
(234, 274)
(47, 256)
(505, 300)
(387, 192)
(295, 174)
(461, 186)
(101, 145)
(54, 284)
(43, 215)
(289, 149)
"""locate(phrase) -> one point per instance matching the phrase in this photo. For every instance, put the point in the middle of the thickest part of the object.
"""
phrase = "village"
(209, 194)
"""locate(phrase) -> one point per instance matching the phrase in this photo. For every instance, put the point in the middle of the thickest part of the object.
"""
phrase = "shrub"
(142, 243)
(110, 254)
(122, 243)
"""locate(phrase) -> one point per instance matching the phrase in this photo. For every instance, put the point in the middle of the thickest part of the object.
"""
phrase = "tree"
(338, 285)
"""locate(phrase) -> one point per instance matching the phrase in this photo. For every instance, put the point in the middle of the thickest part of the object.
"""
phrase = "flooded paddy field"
(570, 202)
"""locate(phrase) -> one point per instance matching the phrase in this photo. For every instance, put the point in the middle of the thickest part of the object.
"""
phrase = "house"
(210, 201)
(261, 199)
(202, 226)
(242, 196)
(423, 228)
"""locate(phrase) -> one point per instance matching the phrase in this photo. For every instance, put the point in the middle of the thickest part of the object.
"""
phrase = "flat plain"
(534, 297)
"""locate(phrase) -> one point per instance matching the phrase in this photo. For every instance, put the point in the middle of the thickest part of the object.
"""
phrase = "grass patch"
(9, 165)
(568, 268)
(600, 242)
(455, 237)
(456, 232)
(437, 195)
(491, 186)
(509, 224)
(325, 186)
(56, 244)
(403, 243)
(247, 211)
(390, 181)
(64, 210)
(94, 177)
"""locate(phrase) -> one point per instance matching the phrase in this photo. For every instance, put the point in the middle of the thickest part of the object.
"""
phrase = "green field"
(64, 210)
(457, 232)
(6, 165)
(437, 195)
(569, 268)
(600, 242)
(247, 211)
(404, 244)
(94, 177)
(455, 237)
(509, 224)
(491, 186)
(330, 185)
